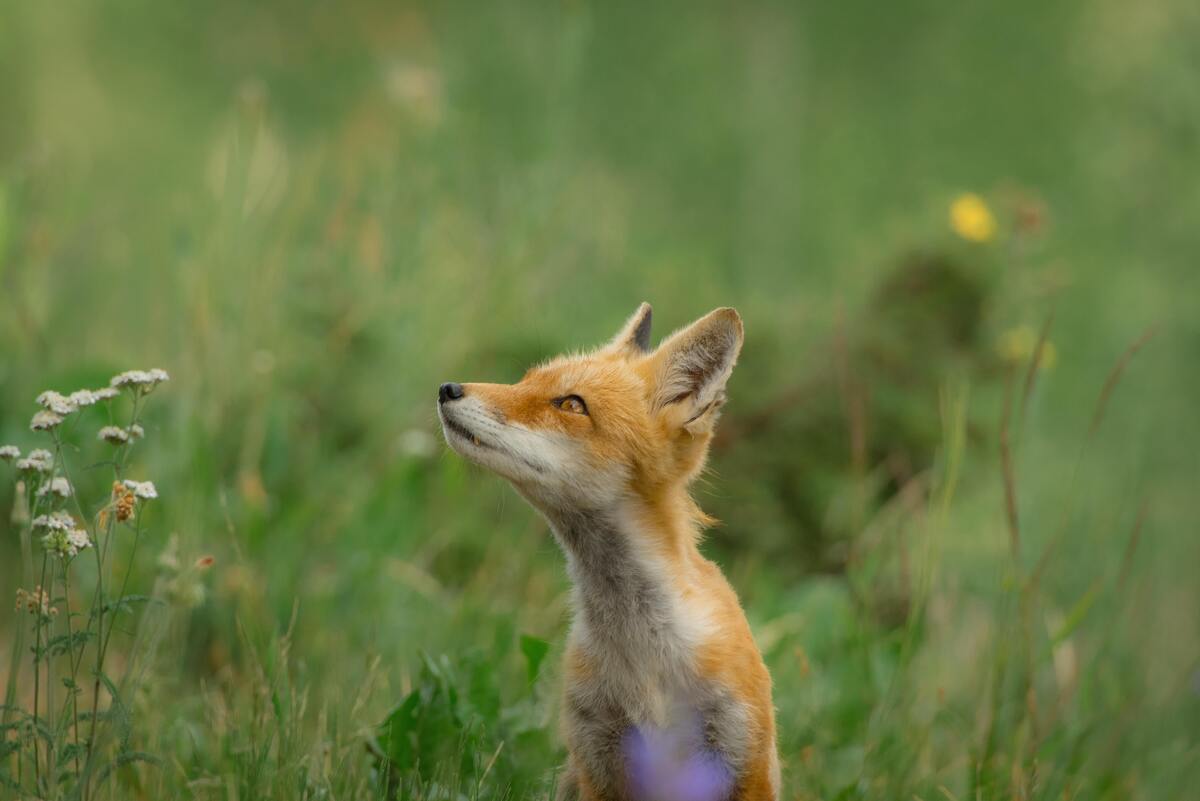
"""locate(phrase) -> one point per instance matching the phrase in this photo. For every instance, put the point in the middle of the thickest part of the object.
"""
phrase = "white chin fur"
(547, 466)
(479, 437)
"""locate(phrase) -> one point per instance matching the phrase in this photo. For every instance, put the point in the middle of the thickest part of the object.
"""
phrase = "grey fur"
(633, 636)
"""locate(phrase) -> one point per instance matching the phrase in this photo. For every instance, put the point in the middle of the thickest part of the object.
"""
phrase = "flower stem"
(37, 680)
(73, 691)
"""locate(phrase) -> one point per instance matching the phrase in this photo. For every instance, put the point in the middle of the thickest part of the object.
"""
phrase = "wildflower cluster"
(142, 489)
(56, 407)
(38, 461)
(35, 603)
(57, 486)
(140, 380)
(62, 761)
(124, 501)
(115, 435)
(65, 544)
(45, 421)
(64, 537)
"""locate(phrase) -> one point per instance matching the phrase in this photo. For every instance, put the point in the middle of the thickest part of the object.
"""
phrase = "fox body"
(666, 696)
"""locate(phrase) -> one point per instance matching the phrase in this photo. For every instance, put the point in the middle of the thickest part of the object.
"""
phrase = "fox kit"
(666, 696)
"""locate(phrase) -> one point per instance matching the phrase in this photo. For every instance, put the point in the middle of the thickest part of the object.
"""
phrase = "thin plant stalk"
(137, 534)
(28, 497)
(37, 677)
(73, 695)
(98, 607)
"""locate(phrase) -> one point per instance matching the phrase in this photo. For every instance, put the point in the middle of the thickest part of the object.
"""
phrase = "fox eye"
(571, 403)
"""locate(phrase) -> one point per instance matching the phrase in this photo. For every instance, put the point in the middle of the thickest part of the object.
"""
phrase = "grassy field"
(958, 468)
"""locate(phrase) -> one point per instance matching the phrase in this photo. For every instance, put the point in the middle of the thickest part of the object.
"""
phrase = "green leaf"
(395, 735)
(482, 690)
(87, 715)
(119, 713)
(42, 730)
(62, 643)
(72, 750)
(7, 747)
(277, 705)
(535, 650)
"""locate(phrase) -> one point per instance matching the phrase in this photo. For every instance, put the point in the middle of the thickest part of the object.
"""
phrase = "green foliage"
(454, 728)
(535, 651)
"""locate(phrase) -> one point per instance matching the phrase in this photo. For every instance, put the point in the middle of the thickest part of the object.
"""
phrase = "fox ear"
(634, 336)
(695, 362)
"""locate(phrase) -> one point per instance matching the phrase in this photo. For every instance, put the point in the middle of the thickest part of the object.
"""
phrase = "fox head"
(592, 431)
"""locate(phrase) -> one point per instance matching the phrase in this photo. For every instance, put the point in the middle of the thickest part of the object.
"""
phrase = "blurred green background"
(312, 213)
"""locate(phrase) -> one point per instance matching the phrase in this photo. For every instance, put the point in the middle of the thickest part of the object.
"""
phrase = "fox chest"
(642, 731)
(696, 750)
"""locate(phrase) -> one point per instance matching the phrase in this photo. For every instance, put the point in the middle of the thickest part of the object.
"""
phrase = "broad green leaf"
(535, 650)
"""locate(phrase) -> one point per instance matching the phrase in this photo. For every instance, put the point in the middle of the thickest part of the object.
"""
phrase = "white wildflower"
(57, 485)
(55, 402)
(136, 431)
(55, 521)
(131, 378)
(82, 397)
(65, 543)
(114, 435)
(56, 542)
(45, 421)
(142, 489)
(39, 461)
(79, 539)
(9, 452)
(105, 393)
(140, 378)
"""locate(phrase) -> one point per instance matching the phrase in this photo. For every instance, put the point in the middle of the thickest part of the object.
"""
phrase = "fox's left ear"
(634, 337)
(693, 365)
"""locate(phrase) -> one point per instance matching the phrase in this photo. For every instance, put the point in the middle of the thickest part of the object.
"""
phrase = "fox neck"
(627, 576)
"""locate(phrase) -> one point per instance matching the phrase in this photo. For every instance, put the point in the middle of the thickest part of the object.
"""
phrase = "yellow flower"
(971, 218)
(1016, 345)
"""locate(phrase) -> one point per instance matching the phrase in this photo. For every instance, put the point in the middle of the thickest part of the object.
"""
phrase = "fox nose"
(449, 391)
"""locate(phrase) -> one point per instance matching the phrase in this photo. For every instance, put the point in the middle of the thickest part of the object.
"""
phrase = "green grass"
(312, 215)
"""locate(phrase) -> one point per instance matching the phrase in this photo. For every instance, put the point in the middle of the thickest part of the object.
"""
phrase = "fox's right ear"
(693, 364)
(634, 336)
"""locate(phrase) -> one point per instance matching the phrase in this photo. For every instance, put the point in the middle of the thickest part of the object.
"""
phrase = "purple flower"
(674, 765)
